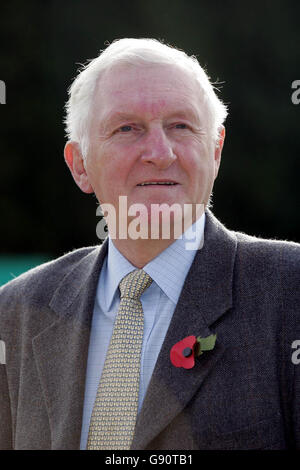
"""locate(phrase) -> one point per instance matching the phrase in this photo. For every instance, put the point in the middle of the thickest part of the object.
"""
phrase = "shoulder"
(252, 250)
(270, 265)
(279, 252)
(258, 262)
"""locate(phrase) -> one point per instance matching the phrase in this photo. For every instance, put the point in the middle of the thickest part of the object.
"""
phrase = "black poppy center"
(187, 352)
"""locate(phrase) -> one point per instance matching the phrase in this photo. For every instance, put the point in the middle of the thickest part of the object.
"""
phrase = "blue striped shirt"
(168, 271)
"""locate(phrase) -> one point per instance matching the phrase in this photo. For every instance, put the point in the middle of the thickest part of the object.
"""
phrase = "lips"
(158, 183)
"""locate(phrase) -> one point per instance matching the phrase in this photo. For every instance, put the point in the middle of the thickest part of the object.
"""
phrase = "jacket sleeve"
(5, 412)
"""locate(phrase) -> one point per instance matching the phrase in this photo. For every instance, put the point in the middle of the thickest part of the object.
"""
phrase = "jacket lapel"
(61, 350)
(205, 297)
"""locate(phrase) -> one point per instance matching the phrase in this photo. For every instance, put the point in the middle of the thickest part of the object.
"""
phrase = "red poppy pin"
(183, 353)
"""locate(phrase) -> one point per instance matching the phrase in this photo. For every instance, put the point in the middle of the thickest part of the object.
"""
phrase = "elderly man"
(148, 342)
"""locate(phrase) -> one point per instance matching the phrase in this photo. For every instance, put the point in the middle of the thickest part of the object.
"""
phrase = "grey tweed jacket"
(244, 394)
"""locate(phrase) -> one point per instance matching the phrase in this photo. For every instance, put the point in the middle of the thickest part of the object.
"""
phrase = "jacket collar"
(79, 287)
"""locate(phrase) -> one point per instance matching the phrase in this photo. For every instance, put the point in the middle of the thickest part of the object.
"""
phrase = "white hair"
(130, 51)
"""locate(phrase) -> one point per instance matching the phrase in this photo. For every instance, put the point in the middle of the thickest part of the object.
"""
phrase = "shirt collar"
(168, 270)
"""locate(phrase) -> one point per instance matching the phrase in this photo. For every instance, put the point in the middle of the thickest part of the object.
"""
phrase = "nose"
(158, 149)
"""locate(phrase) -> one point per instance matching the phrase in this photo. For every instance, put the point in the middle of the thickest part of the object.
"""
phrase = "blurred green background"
(251, 47)
(13, 265)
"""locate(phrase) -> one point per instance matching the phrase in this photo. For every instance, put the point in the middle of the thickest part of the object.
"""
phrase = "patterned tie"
(115, 410)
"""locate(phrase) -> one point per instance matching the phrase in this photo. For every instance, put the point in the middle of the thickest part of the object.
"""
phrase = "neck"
(140, 252)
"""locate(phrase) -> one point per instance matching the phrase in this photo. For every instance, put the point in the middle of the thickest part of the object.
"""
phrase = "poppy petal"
(179, 353)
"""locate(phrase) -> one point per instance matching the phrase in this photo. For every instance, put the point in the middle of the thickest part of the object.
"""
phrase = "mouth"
(158, 183)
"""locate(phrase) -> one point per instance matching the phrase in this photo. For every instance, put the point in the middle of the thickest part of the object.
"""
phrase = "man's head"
(144, 112)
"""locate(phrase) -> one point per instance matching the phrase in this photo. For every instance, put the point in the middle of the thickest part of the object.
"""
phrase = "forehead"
(146, 89)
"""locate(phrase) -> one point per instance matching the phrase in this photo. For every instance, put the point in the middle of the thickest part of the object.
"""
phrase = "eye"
(181, 126)
(125, 129)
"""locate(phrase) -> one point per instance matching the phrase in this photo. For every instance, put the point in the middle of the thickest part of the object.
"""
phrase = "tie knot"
(134, 284)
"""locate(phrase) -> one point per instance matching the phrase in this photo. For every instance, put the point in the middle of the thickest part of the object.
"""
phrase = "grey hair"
(131, 51)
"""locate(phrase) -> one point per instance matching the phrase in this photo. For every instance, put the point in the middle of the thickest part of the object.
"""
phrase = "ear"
(74, 160)
(218, 149)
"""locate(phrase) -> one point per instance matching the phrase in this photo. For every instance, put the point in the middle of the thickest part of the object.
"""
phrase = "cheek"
(108, 176)
(115, 159)
(199, 167)
(93, 171)
(193, 160)
(97, 161)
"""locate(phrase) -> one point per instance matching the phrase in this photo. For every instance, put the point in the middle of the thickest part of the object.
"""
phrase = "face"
(149, 138)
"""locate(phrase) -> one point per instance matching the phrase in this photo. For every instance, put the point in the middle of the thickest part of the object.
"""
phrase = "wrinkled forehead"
(123, 85)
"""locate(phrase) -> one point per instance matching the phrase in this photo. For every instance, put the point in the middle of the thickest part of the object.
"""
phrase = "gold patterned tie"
(115, 410)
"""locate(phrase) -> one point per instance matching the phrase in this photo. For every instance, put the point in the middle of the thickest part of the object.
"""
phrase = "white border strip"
(2, 352)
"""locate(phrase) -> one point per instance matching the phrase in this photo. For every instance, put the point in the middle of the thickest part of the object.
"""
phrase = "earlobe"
(218, 150)
(75, 162)
(222, 137)
(68, 154)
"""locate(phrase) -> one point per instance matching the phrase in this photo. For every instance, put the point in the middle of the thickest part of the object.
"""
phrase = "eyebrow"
(113, 118)
(117, 116)
(186, 113)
